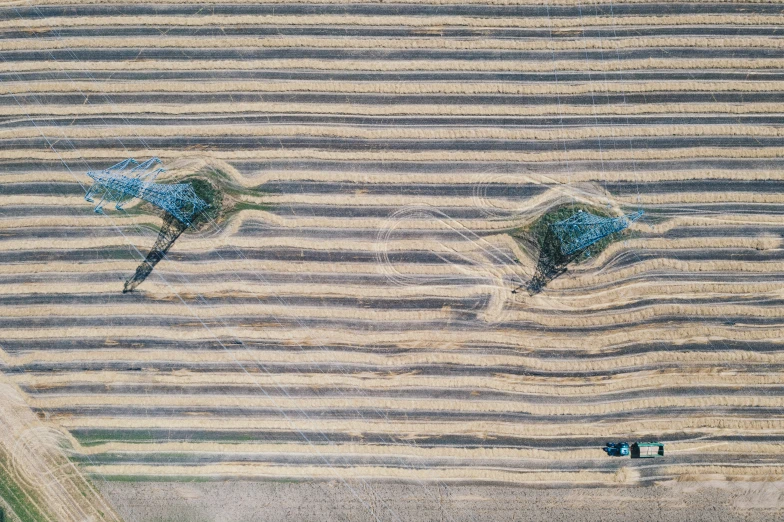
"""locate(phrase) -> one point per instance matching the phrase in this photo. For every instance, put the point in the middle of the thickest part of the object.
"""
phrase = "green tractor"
(638, 450)
(617, 449)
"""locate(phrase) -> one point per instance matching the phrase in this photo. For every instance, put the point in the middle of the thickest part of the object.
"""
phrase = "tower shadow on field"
(551, 263)
(173, 226)
(172, 229)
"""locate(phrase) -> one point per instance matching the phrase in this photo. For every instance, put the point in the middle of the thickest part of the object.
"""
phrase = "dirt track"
(362, 326)
(673, 502)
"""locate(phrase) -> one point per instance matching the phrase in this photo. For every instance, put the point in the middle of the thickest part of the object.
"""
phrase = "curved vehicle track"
(362, 325)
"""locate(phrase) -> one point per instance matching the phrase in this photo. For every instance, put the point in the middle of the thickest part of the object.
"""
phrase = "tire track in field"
(397, 147)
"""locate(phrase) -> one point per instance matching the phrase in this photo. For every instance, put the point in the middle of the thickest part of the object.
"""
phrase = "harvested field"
(348, 325)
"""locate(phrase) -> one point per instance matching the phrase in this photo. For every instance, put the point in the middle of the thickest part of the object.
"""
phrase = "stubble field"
(357, 318)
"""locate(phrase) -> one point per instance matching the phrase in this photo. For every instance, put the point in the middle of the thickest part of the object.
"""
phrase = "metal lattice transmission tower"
(584, 229)
(130, 179)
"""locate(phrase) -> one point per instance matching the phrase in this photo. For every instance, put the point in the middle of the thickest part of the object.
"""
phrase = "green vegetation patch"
(224, 197)
(548, 242)
(211, 195)
(18, 502)
(96, 437)
(245, 205)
